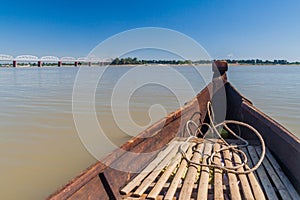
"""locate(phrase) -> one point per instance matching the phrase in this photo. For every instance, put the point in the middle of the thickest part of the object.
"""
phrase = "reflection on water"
(40, 149)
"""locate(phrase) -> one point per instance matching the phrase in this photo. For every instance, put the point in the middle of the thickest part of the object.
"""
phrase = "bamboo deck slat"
(257, 190)
(243, 178)
(282, 176)
(190, 178)
(138, 179)
(267, 186)
(169, 176)
(157, 170)
(218, 176)
(165, 176)
(233, 182)
(177, 178)
(204, 178)
(276, 180)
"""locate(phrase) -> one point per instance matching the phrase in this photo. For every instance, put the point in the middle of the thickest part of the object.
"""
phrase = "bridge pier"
(59, 64)
(15, 63)
(90, 64)
(40, 63)
(76, 63)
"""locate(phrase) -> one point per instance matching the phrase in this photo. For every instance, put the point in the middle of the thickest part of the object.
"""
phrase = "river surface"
(40, 149)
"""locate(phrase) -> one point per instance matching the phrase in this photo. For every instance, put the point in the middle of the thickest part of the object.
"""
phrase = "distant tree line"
(135, 61)
(262, 62)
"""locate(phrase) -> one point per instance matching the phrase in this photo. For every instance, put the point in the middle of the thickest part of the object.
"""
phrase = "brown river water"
(40, 149)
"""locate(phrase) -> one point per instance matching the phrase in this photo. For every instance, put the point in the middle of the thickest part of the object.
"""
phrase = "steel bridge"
(53, 59)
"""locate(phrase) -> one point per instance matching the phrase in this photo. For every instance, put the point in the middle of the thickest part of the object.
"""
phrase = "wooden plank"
(94, 189)
(138, 179)
(177, 178)
(165, 176)
(218, 176)
(139, 157)
(276, 180)
(268, 188)
(243, 178)
(278, 139)
(78, 182)
(156, 171)
(250, 163)
(233, 182)
(256, 188)
(189, 180)
(294, 194)
(204, 178)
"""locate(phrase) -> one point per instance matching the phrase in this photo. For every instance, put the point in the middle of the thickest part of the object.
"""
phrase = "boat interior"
(174, 161)
(169, 176)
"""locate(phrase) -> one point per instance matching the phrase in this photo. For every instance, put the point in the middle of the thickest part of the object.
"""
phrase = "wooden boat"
(165, 175)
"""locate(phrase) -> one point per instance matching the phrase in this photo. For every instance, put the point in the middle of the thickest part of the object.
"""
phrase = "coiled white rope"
(212, 128)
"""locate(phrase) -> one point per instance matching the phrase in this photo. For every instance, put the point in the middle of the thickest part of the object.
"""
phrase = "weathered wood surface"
(294, 194)
(149, 140)
(277, 138)
(204, 173)
(157, 170)
(93, 190)
(267, 186)
(190, 177)
(257, 190)
(247, 193)
(140, 177)
(177, 178)
(165, 176)
(274, 177)
(191, 181)
(218, 176)
(233, 182)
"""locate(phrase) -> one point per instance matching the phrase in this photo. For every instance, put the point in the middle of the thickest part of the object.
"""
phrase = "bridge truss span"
(49, 59)
(68, 59)
(4, 57)
(27, 58)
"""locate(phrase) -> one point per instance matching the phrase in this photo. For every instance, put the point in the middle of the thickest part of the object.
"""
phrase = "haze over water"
(39, 146)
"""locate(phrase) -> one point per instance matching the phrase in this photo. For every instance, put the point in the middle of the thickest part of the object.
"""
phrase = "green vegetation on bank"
(262, 62)
(135, 61)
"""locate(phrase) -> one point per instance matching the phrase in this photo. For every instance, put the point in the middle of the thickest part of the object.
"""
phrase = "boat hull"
(103, 180)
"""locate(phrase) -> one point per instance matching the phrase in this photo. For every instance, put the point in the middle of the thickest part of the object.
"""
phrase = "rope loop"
(213, 128)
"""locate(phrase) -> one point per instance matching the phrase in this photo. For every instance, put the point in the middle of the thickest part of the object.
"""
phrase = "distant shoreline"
(153, 65)
(157, 65)
(120, 62)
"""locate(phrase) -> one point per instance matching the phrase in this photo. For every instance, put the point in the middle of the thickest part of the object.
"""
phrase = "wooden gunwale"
(278, 139)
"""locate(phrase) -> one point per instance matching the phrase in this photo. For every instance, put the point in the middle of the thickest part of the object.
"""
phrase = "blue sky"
(266, 29)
